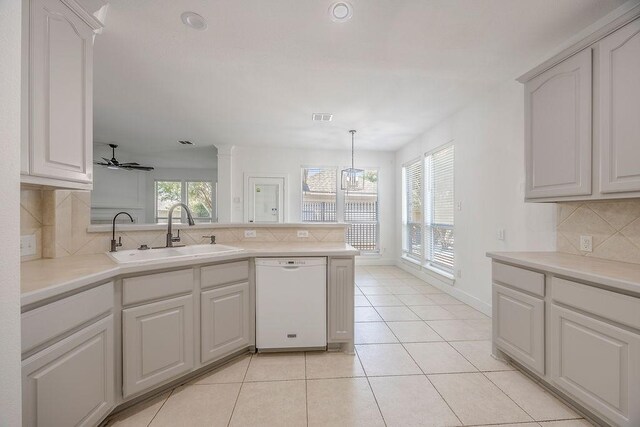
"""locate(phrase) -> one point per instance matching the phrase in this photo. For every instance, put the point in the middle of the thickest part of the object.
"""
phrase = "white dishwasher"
(291, 303)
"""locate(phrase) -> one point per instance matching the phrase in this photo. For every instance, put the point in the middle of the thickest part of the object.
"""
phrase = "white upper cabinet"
(60, 110)
(558, 129)
(620, 110)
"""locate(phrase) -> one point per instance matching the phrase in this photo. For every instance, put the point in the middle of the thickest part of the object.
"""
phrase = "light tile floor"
(423, 359)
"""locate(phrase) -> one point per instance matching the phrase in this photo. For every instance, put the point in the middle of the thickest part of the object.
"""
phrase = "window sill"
(411, 260)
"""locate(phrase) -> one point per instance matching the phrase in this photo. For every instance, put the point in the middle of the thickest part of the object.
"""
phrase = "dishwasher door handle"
(291, 267)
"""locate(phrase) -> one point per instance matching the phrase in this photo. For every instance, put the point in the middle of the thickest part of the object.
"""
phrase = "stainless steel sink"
(183, 252)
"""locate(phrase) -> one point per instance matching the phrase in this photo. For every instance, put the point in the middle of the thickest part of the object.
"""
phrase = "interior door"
(266, 200)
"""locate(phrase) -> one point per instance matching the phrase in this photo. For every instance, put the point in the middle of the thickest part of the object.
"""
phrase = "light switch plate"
(303, 233)
(586, 243)
(249, 234)
(501, 233)
(28, 245)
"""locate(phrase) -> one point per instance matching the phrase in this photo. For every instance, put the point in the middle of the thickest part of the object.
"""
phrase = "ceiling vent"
(186, 142)
(321, 117)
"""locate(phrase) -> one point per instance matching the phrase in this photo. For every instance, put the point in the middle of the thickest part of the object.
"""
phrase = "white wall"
(489, 181)
(288, 161)
(10, 80)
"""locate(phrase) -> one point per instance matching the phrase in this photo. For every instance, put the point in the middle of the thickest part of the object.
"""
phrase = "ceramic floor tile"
(426, 289)
(438, 358)
(357, 291)
(568, 423)
(415, 299)
(411, 401)
(366, 281)
(414, 281)
(275, 403)
(198, 405)
(361, 301)
(141, 414)
(476, 400)
(375, 290)
(393, 314)
(324, 364)
(367, 314)
(385, 300)
(231, 372)
(479, 353)
(417, 331)
(464, 312)
(462, 330)
(386, 359)
(541, 405)
(373, 333)
(403, 290)
(342, 402)
(276, 366)
(432, 312)
(390, 283)
(444, 299)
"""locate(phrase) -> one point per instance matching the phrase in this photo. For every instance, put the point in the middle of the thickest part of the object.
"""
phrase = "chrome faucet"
(170, 238)
(115, 245)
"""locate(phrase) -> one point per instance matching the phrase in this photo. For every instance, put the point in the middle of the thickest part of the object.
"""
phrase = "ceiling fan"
(115, 164)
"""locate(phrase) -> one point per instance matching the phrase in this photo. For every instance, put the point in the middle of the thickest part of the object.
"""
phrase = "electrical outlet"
(501, 233)
(28, 245)
(303, 233)
(459, 206)
(586, 243)
(249, 234)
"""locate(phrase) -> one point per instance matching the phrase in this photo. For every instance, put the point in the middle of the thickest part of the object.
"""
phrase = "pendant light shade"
(352, 178)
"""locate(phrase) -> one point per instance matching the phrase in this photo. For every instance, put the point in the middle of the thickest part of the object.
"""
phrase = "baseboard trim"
(469, 299)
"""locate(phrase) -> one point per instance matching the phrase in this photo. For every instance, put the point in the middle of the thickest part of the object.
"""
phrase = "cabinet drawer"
(518, 326)
(610, 305)
(47, 322)
(526, 280)
(224, 273)
(154, 286)
(596, 363)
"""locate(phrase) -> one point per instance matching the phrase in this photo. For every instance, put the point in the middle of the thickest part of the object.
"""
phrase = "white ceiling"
(259, 71)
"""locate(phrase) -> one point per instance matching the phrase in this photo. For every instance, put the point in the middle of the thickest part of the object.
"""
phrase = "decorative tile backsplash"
(60, 220)
(614, 225)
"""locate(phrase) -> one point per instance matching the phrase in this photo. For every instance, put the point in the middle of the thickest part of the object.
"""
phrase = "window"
(319, 194)
(361, 213)
(198, 195)
(439, 209)
(412, 210)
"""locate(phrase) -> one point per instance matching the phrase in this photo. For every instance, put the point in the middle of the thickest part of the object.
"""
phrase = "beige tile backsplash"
(614, 225)
(60, 220)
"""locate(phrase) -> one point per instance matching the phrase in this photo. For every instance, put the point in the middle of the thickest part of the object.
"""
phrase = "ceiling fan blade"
(106, 160)
(142, 168)
(130, 164)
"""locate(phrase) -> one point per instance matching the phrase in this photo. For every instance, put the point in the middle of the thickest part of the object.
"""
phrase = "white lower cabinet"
(340, 300)
(597, 363)
(157, 343)
(71, 383)
(225, 316)
(518, 326)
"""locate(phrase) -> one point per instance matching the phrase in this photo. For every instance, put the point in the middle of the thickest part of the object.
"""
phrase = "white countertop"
(47, 278)
(614, 274)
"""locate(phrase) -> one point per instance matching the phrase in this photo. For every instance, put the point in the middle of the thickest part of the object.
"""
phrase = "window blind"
(439, 241)
(412, 218)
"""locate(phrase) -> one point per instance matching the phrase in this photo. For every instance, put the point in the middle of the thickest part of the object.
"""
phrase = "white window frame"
(343, 202)
(335, 168)
(406, 254)
(183, 198)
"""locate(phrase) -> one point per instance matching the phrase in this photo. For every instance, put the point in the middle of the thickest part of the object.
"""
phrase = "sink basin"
(161, 254)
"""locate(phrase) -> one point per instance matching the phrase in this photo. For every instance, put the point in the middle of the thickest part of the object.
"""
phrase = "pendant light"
(352, 178)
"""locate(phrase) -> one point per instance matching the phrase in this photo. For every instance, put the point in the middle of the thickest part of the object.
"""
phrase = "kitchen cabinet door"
(597, 363)
(225, 317)
(340, 300)
(71, 383)
(619, 85)
(157, 343)
(518, 326)
(558, 129)
(60, 98)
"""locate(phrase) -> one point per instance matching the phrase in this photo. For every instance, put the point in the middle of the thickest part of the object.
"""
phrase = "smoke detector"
(321, 117)
(340, 11)
(193, 20)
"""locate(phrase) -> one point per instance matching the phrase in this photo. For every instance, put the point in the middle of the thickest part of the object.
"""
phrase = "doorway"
(265, 199)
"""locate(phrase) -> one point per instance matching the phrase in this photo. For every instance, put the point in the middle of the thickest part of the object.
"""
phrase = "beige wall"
(61, 218)
(614, 225)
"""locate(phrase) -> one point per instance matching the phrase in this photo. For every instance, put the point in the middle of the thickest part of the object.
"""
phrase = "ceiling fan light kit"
(352, 178)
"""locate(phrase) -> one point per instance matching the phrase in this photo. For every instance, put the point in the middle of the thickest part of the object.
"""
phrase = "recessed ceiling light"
(193, 20)
(185, 142)
(340, 11)
(321, 117)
